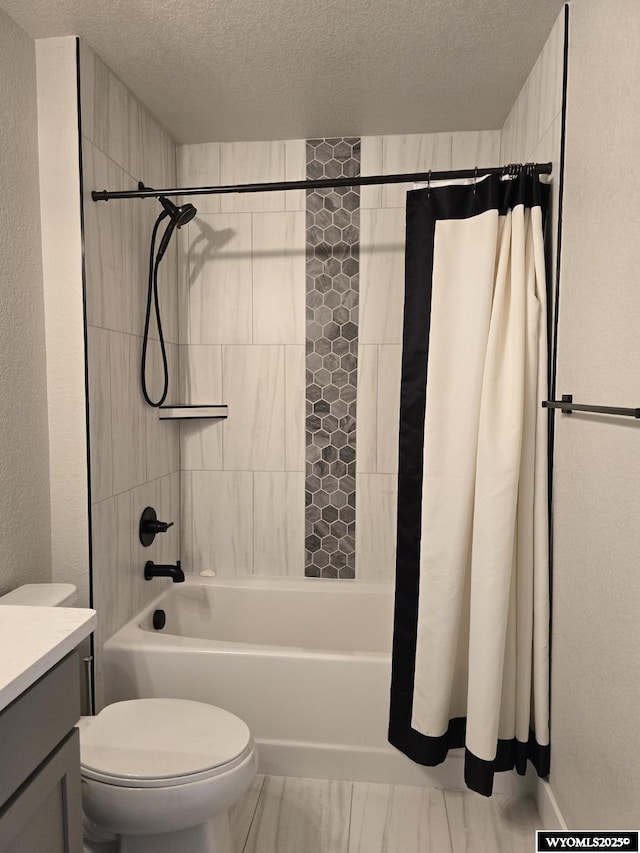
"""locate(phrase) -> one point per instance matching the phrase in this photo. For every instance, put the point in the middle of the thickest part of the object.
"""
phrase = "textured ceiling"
(281, 69)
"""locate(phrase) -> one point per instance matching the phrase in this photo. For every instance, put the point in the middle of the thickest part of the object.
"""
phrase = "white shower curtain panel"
(471, 641)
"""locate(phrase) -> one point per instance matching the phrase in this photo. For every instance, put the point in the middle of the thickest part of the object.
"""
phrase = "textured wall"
(596, 633)
(63, 310)
(134, 456)
(25, 556)
(243, 337)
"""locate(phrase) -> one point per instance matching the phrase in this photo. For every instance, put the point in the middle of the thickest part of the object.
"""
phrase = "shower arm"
(510, 171)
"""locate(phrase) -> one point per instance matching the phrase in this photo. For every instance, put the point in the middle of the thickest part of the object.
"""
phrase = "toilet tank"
(42, 595)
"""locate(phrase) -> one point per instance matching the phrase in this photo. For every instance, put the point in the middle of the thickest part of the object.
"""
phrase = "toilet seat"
(152, 743)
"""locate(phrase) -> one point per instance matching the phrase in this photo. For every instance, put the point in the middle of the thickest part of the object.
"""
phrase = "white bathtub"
(306, 663)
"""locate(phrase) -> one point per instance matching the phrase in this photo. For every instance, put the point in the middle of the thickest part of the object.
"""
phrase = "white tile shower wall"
(253, 387)
(278, 268)
(539, 102)
(382, 243)
(381, 274)
(241, 272)
(221, 504)
(134, 456)
(201, 382)
(252, 163)
(218, 293)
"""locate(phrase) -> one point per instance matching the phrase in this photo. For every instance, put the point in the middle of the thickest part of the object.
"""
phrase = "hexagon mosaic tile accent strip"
(332, 273)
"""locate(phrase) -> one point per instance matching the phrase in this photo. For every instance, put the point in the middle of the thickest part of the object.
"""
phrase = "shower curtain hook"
(475, 179)
(429, 184)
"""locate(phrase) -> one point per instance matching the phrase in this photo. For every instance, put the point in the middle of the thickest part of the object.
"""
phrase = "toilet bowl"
(161, 774)
(158, 775)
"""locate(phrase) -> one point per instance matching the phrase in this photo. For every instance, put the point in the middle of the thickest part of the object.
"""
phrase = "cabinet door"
(45, 814)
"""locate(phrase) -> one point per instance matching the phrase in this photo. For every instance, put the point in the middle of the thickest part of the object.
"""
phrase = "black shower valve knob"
(150, 526)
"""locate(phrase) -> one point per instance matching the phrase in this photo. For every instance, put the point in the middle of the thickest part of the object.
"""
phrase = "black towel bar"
(567, 406)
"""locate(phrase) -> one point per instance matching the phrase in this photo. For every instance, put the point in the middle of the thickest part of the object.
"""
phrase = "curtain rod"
(147, 192)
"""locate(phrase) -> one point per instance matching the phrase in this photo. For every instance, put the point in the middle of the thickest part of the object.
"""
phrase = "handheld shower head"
(179, 217)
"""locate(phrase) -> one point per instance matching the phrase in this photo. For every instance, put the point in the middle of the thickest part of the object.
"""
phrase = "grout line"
(286, 433)
(139, 336)
(253, 284)
(185, 323)
(446, 811)
(350, 819)
(255, 811)
(253, 521)
(190, 523)
(376, 424)
(222, 394)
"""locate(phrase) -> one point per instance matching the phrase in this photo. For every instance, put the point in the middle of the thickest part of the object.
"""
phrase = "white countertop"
(34, 639)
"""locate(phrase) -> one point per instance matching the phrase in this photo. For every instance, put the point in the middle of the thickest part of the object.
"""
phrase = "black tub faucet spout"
(174, 572)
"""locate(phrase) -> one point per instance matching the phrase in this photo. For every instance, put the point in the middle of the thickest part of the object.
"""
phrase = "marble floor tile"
(398, 819)
(301, 816)
(501, 824)
(292, 815)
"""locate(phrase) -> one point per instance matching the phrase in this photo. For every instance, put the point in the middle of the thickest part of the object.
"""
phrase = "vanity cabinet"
(40, 794)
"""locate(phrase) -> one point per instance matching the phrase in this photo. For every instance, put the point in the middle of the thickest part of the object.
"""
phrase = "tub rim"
(134, 636)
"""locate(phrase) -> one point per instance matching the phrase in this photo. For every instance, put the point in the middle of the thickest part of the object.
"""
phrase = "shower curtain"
(471, 630)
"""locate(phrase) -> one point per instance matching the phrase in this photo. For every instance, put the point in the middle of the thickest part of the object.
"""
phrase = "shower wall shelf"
(183, 413)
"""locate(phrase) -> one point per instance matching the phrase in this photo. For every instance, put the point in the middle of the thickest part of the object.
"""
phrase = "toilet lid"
(156, 742)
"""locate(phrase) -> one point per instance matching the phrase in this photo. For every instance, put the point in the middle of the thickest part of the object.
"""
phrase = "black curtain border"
(511, 754)
(424, 208)
(462, 201)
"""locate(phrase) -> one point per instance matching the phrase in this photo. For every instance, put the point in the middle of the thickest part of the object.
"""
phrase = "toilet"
(158, 775)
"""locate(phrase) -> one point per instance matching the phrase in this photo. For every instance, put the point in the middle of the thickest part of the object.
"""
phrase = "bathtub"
(306, 663)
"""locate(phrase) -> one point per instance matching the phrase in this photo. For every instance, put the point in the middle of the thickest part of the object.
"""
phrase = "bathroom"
(83, 456)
